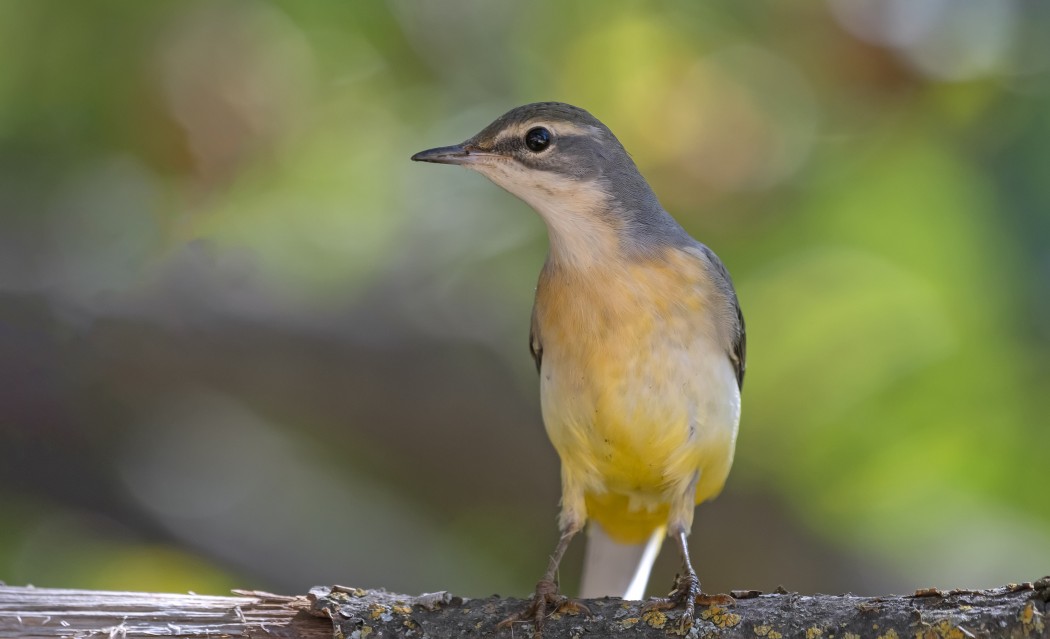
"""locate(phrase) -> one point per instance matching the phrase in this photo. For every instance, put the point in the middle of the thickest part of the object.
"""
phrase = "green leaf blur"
(246, 343)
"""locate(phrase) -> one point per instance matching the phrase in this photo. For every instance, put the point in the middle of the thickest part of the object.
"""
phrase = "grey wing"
(733, 316)
(739, 353)
(535, 346)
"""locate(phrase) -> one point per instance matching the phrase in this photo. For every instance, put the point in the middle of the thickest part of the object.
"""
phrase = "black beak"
(456, 154)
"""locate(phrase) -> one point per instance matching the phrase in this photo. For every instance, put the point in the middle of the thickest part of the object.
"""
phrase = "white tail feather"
(618, 570)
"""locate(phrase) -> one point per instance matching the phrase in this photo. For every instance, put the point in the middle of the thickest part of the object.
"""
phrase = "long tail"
(619, 570)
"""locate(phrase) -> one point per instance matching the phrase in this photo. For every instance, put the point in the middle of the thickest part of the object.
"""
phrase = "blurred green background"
(244, 342)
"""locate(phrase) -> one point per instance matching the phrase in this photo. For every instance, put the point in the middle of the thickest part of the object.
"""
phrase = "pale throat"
(580, 225)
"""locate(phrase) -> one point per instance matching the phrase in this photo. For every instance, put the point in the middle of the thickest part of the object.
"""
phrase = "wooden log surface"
(49, 612)
(1016, 610)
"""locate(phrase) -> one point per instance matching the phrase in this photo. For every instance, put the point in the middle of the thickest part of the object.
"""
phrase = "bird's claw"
(715, 600)
(687, 594)
(546, 601)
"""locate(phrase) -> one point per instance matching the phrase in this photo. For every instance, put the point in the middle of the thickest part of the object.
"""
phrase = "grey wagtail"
(639, 342)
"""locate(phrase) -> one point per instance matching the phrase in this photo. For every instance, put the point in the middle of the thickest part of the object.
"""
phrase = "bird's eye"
(537, 139)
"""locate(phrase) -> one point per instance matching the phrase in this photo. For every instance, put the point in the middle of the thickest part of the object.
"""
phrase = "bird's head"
(563, 162)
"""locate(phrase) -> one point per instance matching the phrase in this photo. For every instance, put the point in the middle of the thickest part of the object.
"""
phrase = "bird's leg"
(547, 599)
(686, 591)
(686, 588)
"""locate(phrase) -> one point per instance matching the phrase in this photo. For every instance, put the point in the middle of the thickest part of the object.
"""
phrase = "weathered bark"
(1017, 610)
(47, 612)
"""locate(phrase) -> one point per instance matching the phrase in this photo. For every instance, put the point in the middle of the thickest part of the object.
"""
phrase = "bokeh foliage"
(246, 343)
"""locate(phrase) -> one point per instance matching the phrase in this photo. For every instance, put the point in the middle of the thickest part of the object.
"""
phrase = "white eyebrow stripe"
(560, 128)
(564, 128)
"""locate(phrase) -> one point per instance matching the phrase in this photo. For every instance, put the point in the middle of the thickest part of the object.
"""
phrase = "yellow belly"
(637, 397)
(633, 469)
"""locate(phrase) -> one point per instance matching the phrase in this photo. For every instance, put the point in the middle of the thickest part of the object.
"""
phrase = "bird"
(640, 346)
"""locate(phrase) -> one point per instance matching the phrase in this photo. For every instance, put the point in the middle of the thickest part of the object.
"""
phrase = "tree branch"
(1017, 610)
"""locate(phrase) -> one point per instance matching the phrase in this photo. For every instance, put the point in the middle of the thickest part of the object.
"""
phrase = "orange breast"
(632, 388)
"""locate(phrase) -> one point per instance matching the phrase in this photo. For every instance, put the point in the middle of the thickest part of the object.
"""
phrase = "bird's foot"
(686, 594)
(545, 602)
(686, 590)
